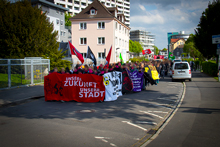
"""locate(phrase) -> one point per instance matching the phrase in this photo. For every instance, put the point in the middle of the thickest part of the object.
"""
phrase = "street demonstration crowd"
(162, 67)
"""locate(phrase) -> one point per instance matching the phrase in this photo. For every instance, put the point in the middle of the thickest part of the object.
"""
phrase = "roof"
(102, 12)
(50, 4)
(175, 40)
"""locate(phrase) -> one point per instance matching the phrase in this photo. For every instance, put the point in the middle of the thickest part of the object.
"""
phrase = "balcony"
(126, 2)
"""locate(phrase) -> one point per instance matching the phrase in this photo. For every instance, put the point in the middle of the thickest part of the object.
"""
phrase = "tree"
(164, 49)
(156, 50)
(26, 32)
(67, 21)
(208, 26)
(190, 47)
(135, 47)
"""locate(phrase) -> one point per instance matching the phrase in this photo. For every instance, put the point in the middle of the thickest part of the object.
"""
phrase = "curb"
(20, 101)
(159, 128)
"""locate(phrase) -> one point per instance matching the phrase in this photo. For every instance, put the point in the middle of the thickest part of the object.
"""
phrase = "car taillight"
(189, 71)
(172, 71)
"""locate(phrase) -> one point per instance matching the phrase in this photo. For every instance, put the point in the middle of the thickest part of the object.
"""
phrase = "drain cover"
(85, 111)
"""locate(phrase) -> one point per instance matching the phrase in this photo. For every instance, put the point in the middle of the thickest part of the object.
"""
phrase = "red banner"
(78, 87)
(147, 51)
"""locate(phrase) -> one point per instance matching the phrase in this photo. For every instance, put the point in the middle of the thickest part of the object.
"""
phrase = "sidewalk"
(17, 95)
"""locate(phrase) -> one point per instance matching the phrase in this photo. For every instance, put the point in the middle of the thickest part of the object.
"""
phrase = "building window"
(92, 12)
(116, 40)
(64, 33)
(101, 25)
(101, 40)
(116, 25)
(122, 42)
(82, 26)
(119, 42)
(119, 27)
(61, 13)
(84, 55)
(57, 11)
(101, 55)
(83, 41)
(61, 22)
(58, 21)
(61, 33)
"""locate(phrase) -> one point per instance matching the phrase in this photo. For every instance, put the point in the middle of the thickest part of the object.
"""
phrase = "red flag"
(74, 51)
(108, 57)
(147, 51)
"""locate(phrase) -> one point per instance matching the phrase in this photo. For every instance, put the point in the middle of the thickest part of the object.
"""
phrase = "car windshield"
(177, 60)
(181, 66)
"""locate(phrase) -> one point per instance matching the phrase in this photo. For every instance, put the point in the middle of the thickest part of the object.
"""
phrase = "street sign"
(215, 39)
(218, 51)
(218, 46)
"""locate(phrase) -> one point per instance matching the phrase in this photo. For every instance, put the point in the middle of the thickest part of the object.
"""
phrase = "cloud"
(142, 7)
(162, 16)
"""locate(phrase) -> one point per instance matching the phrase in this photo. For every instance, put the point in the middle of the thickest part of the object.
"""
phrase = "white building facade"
(146, 39)
(76, 6)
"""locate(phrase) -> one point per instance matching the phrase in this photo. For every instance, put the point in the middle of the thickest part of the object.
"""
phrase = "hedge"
(210, 68)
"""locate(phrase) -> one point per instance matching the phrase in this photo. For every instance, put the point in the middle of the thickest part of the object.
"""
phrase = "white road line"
(112, 144)
(157, 111)
(145, 122)
(152, 114)
(104, 140)
(134, 125)
(166, 99)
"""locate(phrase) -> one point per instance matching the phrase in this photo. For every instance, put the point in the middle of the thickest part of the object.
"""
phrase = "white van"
(181, 70)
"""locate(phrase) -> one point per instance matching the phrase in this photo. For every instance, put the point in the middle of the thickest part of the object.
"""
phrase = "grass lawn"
(16, 80)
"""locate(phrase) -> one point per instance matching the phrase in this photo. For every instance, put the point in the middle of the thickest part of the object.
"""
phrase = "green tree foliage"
(67, 21)
(135, 47)
(156, 50)
(164, 49)
(208, 26)
(190, 47)
(26, 32)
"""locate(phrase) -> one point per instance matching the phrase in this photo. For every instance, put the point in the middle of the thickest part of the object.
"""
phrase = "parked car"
(181, 71)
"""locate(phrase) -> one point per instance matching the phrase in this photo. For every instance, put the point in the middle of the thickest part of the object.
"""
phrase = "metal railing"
(18, 72)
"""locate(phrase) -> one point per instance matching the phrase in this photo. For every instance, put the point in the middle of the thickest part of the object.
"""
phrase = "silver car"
(181, 71)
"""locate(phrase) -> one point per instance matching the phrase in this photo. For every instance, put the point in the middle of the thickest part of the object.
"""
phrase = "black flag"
(90, 55)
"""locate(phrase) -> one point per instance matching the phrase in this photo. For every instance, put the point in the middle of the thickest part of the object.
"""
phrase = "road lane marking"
(112, 144)
(134, 125)
(157, 111)
(152, 114)
(145, 122)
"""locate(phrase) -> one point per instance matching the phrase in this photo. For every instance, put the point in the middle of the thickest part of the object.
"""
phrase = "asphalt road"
(128, 121)
(196, 123)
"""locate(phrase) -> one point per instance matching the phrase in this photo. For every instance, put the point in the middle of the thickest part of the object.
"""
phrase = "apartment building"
(56, 15)
(146, 39)
(101, 27)
(76, 6)
(177, 46)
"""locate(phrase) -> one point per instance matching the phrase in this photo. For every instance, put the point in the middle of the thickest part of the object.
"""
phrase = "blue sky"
(162, 16)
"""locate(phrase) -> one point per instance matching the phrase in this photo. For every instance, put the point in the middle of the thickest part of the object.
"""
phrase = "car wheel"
(190, 80)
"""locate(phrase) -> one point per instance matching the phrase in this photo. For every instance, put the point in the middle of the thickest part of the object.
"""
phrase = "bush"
(138, 59)
(210, 68)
